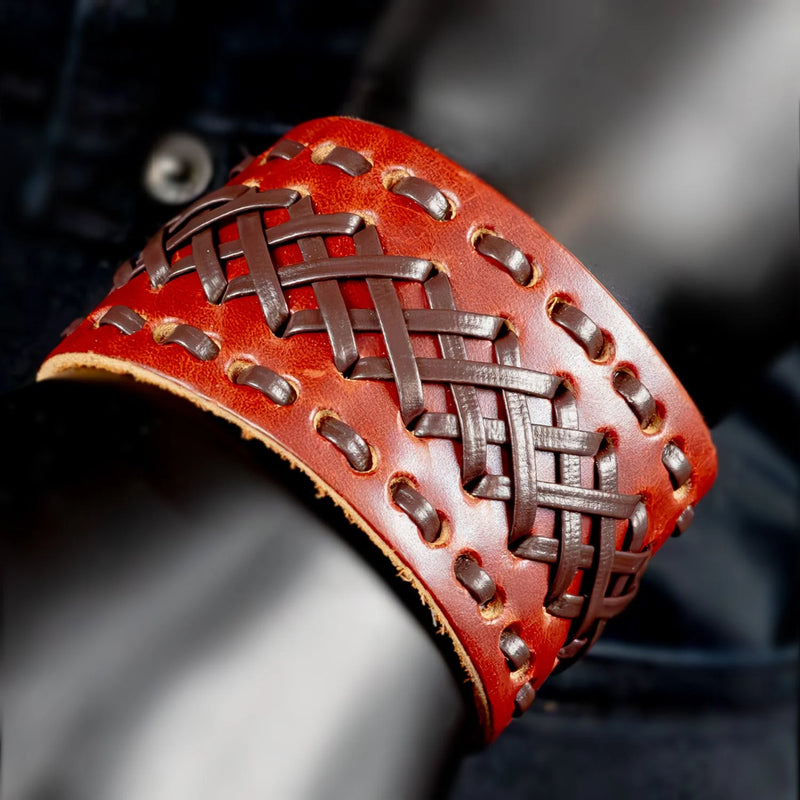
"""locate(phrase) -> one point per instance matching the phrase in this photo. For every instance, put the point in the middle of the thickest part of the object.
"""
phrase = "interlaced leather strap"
(538, 418)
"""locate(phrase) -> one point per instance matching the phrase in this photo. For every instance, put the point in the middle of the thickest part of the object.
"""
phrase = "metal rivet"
(178, 169)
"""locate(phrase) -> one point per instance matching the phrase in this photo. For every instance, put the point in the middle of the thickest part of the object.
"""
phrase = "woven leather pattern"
(615, 572)
(457, 373)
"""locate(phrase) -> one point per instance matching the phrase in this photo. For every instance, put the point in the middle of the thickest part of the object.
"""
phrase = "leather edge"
(56, 366)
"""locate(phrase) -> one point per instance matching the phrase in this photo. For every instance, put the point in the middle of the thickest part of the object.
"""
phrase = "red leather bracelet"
(473, 399)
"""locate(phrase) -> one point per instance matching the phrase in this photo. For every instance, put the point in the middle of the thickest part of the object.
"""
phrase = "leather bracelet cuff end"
(476, 402)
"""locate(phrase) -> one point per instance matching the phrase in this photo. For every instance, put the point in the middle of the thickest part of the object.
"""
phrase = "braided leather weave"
(442, 368)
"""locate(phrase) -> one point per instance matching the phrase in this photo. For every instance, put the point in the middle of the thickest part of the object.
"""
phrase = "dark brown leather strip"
(511, 258)
(345, 439)
(612, 606)
(627, 567)
(353, 267)
(546, 550)
(422, 513)
(637, 528)
(241, 286)
(582, 329)
(568, 606)
(241, 166)
(569, 472)
(554, 495)
(125, 271)
(470, 415)
(474, 579)
(71, 328)
(479, 373)
(537, 548)
(520, 438)
(627, 563)
(678, 466)
(194, 341)
(630, 562)
(225, 252)
(251, 200)
(209, 270)
(596, 605)
(345, 267)
(424, 194)
(123, 318)
(418, 320)
(524, 699)
(182, 267)
(514, 649)
(402, 268)
(285, 149)
(337, 323)
(439, 425)
(263, 277)
(155, 261)
(492, 487)
(347, 160)
(398, 346)
(566, 440)
(684, 521)
(395, 334)
(331, 304)
(636, 395)
(572, 650)
(573, 607)
(311, 224)
(458, 323)
(269, 383)
(587, 501)
(216, 198)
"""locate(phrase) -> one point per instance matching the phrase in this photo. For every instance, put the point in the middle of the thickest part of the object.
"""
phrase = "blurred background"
(658, 142)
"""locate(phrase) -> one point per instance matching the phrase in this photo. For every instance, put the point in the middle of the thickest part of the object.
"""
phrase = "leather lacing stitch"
(579, 326)
(612, 575)
(418, 509)
(266, 381)
(518, 656)
(204, 348)
(680, 472)
(351, 444)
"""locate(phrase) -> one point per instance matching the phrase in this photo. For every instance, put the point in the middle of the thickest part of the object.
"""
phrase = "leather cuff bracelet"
(455, 380)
